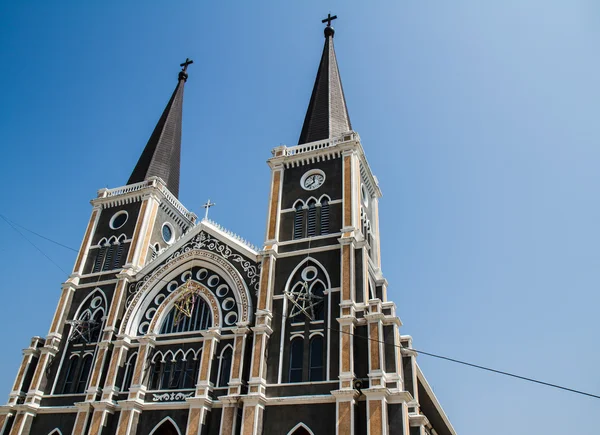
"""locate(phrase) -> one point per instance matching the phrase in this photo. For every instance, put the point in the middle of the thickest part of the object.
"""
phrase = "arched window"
(192, 366)
(155, 374)
(175, 380)
(84, 373)
(225, 366)
(315, 372)
(296, 359)
(299, 222)
(324, 216)
(200, 320)
(311, 230)
(129, 369)
(70, 375)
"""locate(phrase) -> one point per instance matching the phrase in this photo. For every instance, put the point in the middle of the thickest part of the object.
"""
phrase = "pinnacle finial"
(329, 30)
(183, 73)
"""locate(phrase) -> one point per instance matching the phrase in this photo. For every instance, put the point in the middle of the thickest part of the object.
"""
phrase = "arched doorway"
(165, 427)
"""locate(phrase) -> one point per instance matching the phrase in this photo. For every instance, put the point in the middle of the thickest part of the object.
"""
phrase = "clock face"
(313, 180)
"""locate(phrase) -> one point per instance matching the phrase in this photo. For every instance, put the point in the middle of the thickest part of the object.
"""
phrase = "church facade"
(174, 325)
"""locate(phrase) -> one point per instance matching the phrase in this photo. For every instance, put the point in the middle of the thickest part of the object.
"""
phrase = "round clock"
(312, 179)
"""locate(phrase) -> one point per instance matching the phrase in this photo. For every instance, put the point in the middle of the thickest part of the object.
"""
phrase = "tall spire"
(162, 154)
(327, 115)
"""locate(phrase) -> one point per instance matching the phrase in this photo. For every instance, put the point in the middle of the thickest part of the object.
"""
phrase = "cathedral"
(172, 325)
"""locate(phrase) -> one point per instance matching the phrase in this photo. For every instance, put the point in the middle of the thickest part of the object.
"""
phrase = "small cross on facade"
(207, 205)
(185, 64)
(329, 19)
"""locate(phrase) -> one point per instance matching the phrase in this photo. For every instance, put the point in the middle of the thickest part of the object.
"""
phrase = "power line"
(37, 234)
(457, 361)
(33, 244)
(433, 355)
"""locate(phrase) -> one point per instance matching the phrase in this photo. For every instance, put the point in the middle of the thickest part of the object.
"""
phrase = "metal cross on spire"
(208, 205)
(185, 64)
(329, 19)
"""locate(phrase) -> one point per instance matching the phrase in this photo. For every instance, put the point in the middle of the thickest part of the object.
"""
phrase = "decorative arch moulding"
(142, 292)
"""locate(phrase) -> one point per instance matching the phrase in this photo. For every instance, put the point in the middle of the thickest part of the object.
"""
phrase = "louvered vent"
(298, 218)
(325, 217)
(108, 259)
(312, 220)
(99, 259)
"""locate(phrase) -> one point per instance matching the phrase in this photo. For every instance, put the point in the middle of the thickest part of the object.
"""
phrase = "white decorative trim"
(171, 397)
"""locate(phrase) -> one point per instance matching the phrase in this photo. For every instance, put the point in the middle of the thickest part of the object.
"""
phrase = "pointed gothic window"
(299, 222)
(155, 374)
(70, 375)
(324, 216)
(84, 373)
(191, 372)
(316, 359)
(177, 374)
(225, 366)
(129, 369)
(296, 359)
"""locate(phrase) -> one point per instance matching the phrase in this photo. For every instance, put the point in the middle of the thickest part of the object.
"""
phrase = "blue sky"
(478, 118)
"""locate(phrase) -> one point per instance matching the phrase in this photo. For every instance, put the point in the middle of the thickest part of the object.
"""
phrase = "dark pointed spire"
(162, 154)
(327, 115)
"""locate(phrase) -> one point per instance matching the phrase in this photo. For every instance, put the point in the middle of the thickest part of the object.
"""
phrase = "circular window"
(309, 273)
(202, 274)
(144, 327)
(186, 275)
(150, 313)
(228, 304)
(222, 290)
(118, 219)
(167, 233)
(172, 286)
(96, 302)
(158, 300)
(231, 318)
(213, 280)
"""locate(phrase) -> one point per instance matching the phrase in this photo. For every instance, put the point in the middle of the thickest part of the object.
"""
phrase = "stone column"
(256, 398)
(201, 403)
(116, 360)
(347, 321)
(376, 394)
(132, 407)
(33, 351)
(23, 419)
(85, 243)
(140, 241)
(6, 414)
(232, 400)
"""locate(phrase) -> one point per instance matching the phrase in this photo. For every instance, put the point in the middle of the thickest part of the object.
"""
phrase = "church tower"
(168, 325)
